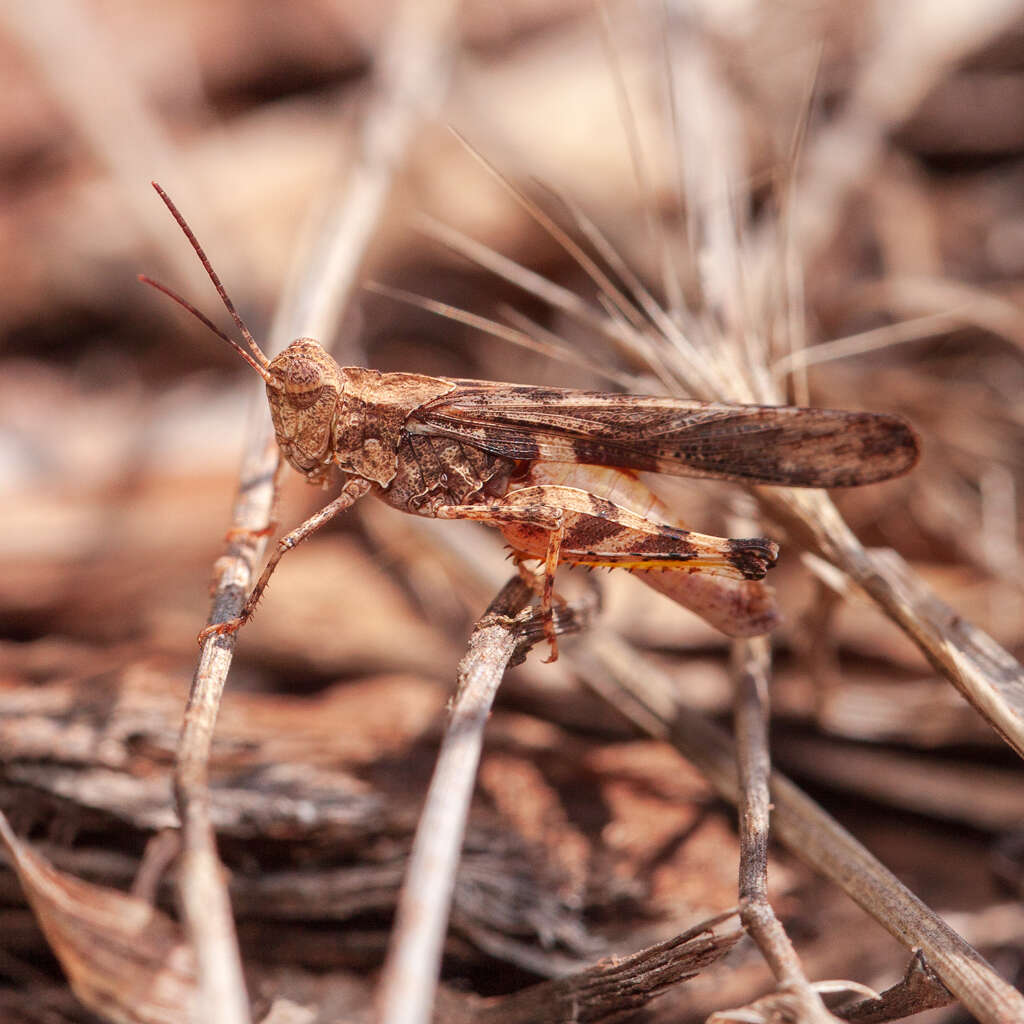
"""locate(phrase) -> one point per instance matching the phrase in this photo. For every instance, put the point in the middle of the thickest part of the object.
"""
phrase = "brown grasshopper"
(554, 469)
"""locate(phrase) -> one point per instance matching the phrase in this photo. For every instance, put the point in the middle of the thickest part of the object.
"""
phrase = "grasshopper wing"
(785, 445)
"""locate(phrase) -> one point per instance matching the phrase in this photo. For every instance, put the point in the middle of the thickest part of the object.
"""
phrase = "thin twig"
(501, 637)
(751, 670)
(410, 67)
(751, 667)
(206, 907)
(817, 839)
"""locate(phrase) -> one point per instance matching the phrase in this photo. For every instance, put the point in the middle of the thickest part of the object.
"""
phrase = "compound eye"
(305, 398)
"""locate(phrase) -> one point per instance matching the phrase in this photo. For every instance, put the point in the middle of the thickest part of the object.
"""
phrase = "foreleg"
(351, 492)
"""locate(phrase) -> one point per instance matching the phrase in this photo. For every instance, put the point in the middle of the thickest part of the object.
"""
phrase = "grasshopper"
(553, 469)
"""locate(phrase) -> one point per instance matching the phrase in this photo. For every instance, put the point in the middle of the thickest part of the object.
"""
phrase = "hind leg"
(717, 578)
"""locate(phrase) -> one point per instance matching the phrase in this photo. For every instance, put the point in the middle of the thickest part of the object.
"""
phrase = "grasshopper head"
(304, 384)
(304, 390)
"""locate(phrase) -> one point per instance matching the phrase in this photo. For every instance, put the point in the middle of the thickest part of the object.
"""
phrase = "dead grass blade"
(606, 286)
(125, 960)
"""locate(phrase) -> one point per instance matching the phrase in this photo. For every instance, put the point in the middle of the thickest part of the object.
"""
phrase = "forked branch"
(751, 666)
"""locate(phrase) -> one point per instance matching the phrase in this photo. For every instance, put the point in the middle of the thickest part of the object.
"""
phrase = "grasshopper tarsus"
(225, 628)
(554, 470)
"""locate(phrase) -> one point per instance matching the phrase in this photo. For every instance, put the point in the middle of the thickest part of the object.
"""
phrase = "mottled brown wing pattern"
(785, 445)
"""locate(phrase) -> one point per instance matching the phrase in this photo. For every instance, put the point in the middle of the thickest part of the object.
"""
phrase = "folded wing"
(784, 445)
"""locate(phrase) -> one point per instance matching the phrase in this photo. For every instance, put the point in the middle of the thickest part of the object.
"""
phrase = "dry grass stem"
(411, 70)
(920, 296)
(557, 297)
(869, 341)
(202, 890)
(532, 340)
(751, 672)
(502, 636)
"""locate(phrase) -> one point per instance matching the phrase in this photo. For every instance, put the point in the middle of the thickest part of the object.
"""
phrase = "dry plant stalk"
(502, 637)
(410, 77)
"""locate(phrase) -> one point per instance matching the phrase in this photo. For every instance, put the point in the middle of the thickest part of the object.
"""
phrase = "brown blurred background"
(122, 423)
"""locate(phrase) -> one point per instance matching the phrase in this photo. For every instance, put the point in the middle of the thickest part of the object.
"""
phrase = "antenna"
(203, 318)
(256, 359)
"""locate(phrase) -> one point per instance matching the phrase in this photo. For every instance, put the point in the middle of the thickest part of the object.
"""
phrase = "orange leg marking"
(544, 516)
